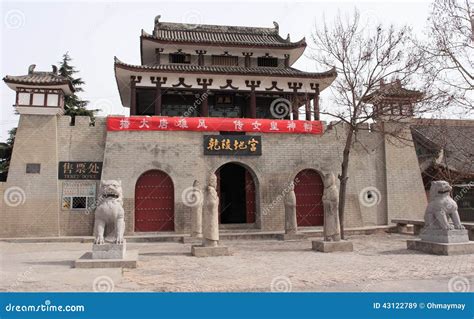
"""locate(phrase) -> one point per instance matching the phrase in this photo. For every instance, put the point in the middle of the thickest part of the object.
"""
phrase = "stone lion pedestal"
(110, 248)
(442, 242)
(439, 236)
(108, 255)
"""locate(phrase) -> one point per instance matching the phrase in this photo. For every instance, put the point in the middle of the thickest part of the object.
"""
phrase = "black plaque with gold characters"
(80, 170)
(247, 145)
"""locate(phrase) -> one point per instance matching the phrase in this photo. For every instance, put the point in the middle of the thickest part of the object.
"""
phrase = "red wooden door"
(154, 202)
(249, 198)
(309, 193)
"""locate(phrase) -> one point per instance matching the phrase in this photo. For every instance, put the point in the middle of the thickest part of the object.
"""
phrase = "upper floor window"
(227, 60)
(180, 58)
(267, 61)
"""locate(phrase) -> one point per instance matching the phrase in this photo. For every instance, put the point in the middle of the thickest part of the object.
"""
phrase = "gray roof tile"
(265, 71)
(224, 35)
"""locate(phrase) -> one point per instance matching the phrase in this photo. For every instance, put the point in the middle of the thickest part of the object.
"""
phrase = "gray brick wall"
(127, 155)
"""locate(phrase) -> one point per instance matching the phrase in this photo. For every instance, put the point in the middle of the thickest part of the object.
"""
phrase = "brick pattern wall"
(81, 142)
(127, 155)
(32, 209)
(407, 196)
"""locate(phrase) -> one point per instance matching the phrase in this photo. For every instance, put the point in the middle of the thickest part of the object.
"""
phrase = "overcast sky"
(93, 32)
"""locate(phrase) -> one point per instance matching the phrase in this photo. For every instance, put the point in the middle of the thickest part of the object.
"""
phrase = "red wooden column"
(158, 55)
(247, 56)
(287, 60)
(295, 86)
(308, 107)
(252, 113)
(133, 93)
(158, 81)
(315, 88)
(200, 54)
(204, 104)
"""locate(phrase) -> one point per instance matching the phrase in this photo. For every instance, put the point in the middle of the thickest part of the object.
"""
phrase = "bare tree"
(363, 57)
(449, 53)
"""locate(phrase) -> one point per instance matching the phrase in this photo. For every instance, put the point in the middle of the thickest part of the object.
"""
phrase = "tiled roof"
(223, 35)
(263, 71)
(38, 78)
(393, 89)
(456, 140)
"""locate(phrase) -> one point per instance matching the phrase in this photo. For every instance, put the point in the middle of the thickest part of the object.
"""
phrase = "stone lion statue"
(441, 208)
(109, 214)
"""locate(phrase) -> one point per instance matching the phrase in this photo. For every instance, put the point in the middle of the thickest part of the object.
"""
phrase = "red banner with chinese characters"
(212, 124)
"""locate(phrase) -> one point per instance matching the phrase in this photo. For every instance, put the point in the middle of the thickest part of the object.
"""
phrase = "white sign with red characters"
(212, 124)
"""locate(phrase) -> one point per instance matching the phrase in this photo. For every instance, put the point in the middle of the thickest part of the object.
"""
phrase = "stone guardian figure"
(210, 217)
(291, 226)
(196, 210)
(332, 231)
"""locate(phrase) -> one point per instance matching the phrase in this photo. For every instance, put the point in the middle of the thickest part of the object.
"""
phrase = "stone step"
(235, 234)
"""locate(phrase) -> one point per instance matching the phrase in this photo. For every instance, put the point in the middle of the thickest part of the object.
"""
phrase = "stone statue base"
(332, 246)
(205, 251)
(108, 255)
(109, 251)
(442, 242)
(441, 248)
(291, 236)
(450, 236)
(130, 260)
(191, 240)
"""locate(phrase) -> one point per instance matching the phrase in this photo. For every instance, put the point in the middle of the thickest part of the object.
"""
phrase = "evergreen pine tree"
(6, 150)
(73, 105)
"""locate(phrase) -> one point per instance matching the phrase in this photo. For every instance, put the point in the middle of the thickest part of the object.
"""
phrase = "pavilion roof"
(393, 90)
(40, 78)
(454, 137)
(220, 34)
(236, 70)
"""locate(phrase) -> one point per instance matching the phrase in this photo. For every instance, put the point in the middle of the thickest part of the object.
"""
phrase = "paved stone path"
(379, 263)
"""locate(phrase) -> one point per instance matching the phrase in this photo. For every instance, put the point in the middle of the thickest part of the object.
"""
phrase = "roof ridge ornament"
(31, 68)
(55, 69)
(277, 27)
(157, 20)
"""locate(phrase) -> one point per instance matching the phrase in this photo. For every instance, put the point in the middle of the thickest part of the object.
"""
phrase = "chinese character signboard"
(212, 124)
(232, 145)
(80, 170)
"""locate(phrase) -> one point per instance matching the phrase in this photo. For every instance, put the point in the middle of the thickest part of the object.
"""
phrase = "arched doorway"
(154, 202)
(309, 189)
(236, 189)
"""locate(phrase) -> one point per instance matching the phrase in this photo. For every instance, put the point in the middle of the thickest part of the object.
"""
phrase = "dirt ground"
(378, 263)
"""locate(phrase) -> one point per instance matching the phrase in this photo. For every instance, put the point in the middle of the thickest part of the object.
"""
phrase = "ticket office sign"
(80, 170)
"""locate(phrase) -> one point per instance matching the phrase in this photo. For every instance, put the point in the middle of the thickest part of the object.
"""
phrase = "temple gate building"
(206, 99)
